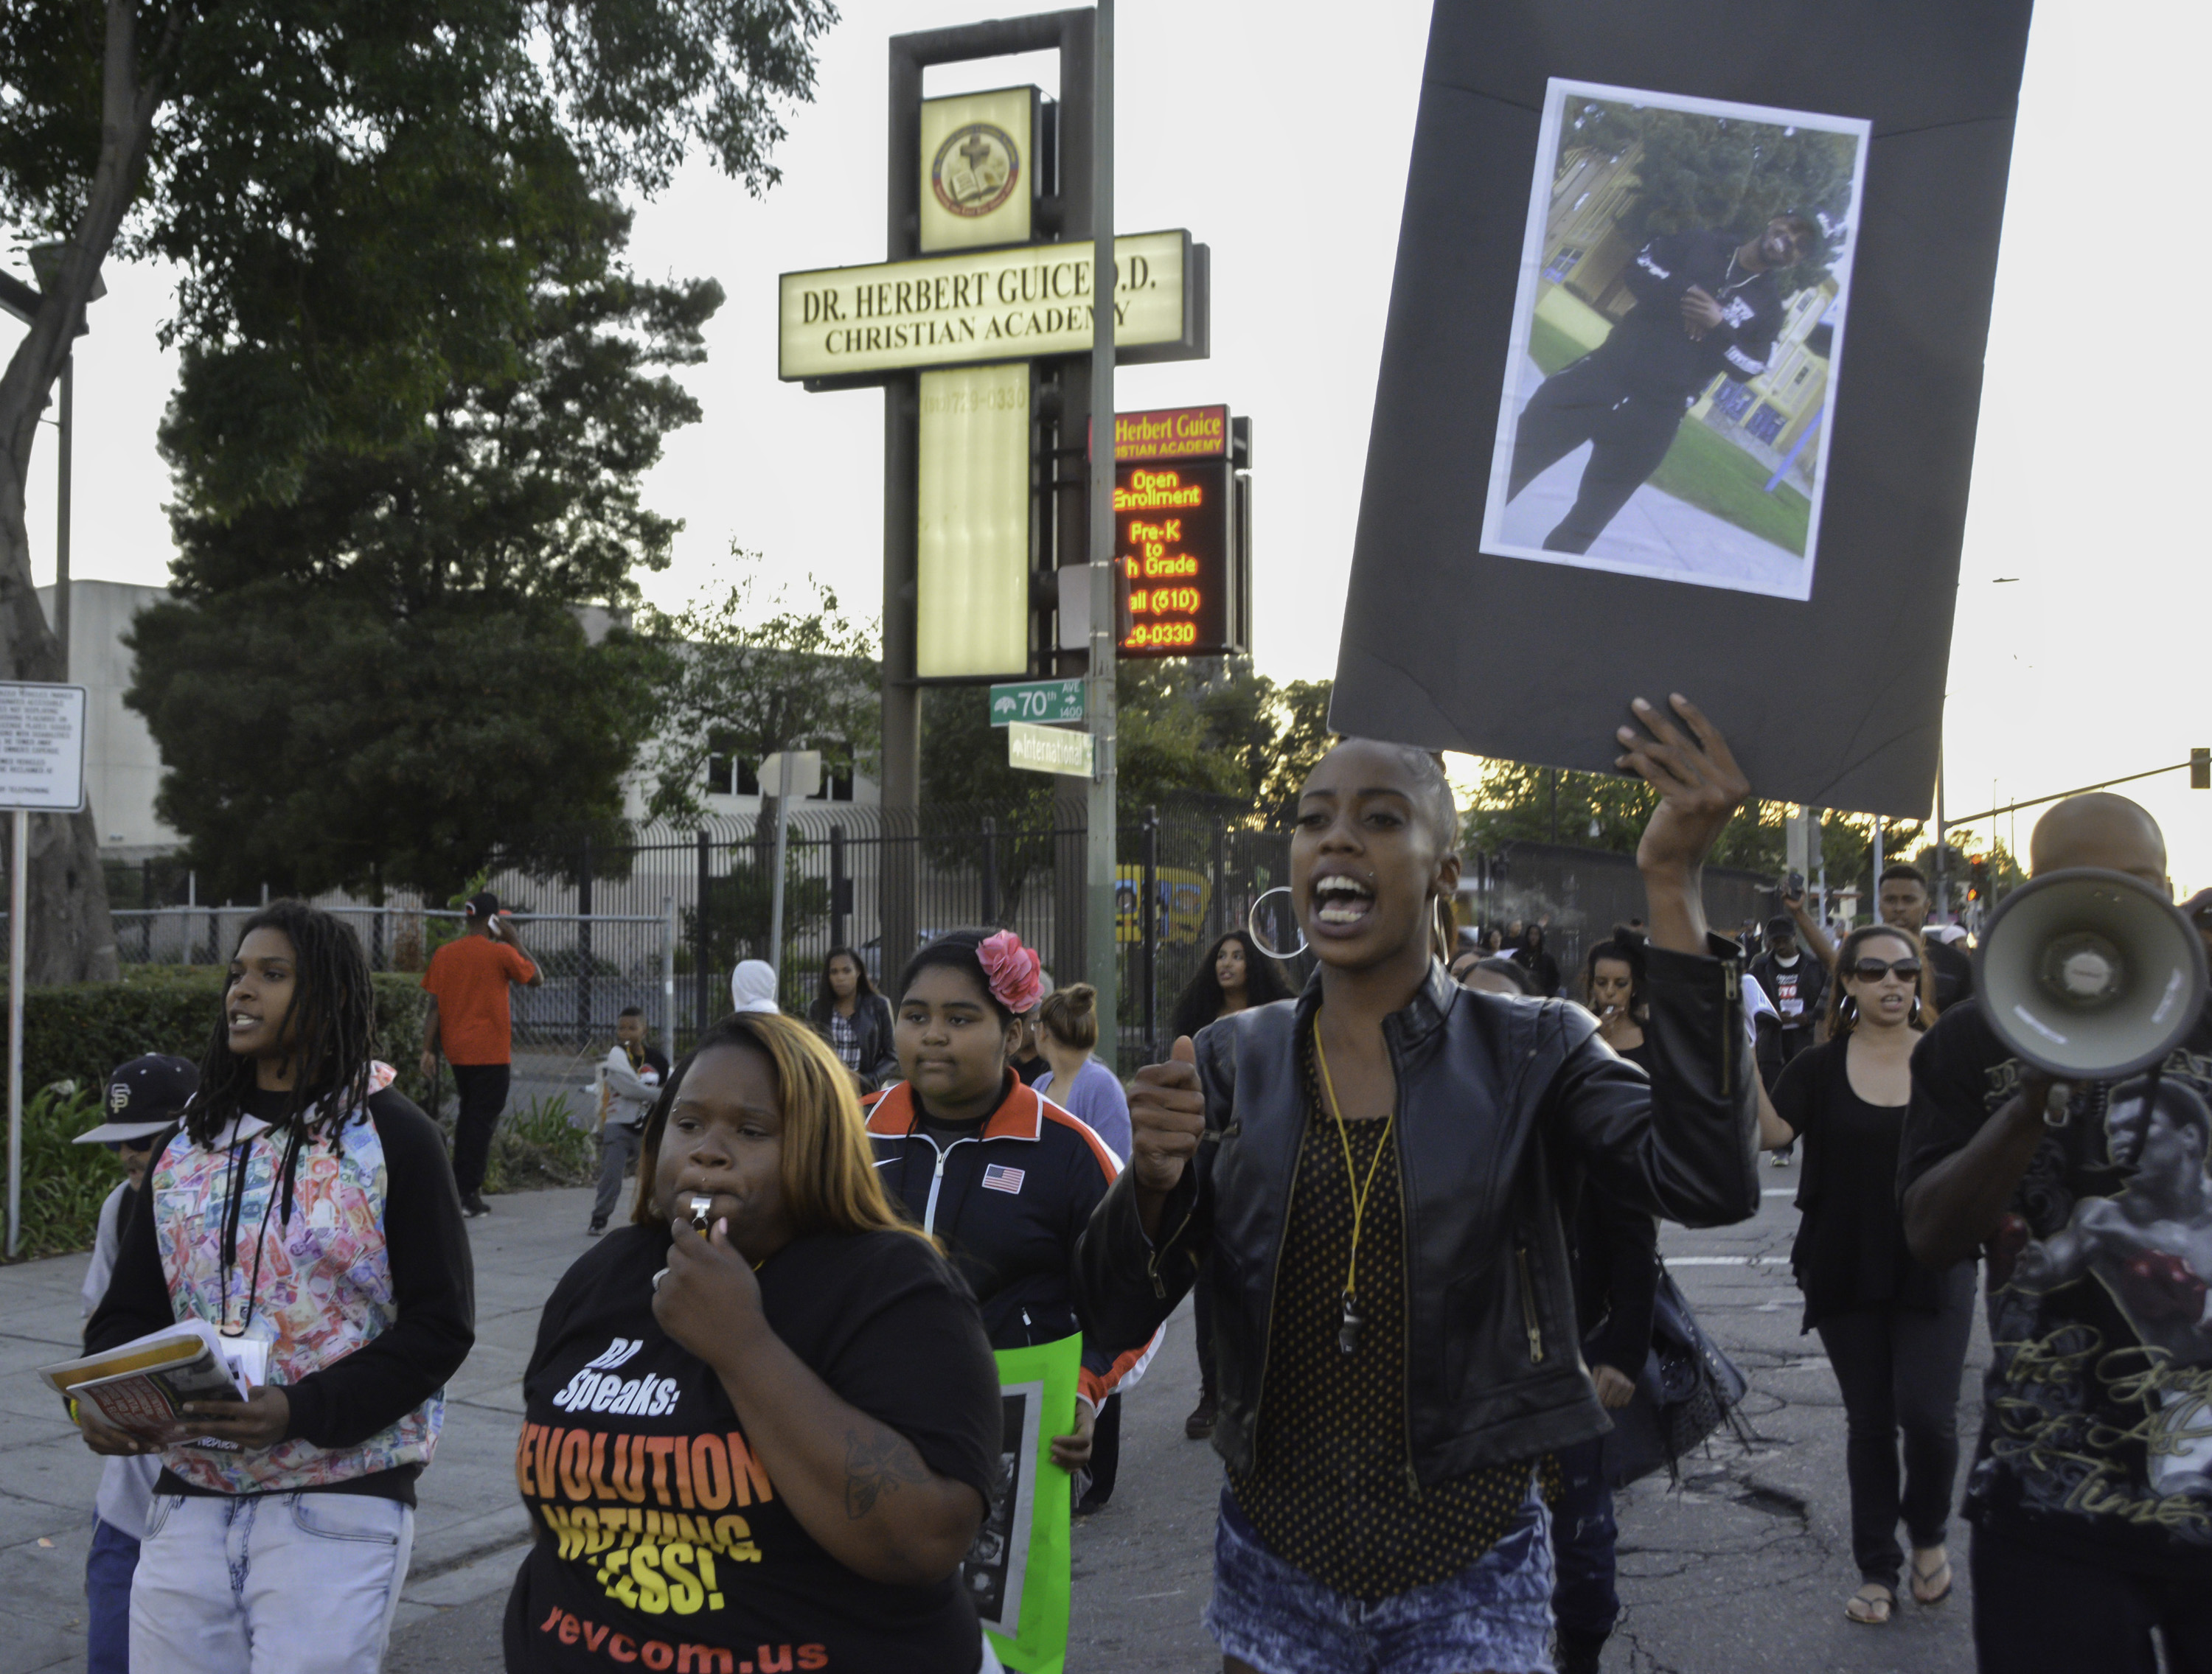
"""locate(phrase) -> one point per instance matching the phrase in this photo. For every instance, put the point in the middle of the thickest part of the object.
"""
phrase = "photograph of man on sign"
(1676, 336)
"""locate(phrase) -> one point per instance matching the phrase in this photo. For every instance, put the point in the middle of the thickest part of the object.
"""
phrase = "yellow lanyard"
(1348, 1331)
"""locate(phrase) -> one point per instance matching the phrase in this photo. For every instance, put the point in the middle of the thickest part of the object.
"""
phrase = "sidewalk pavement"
(1742, 1568)
(470, 1528)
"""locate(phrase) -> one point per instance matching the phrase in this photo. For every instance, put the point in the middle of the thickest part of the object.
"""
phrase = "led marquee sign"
(994, 304)
(1172, 535)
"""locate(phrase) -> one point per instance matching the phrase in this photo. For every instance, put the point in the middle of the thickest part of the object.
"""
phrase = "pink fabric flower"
(1014, 972)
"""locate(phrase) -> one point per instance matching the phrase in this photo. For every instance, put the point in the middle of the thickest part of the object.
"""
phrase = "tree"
(1515, 800)
(1196, 726)
(521, 484)
(312, 744)
(1206, 725)
(1724, 173)
(742, 675)
(396, 579)
(229, 137)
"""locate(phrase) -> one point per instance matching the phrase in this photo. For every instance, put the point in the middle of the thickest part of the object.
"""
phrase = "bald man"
(2091, 1494)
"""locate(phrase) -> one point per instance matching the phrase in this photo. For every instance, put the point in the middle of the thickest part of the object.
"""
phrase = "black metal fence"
(1579, 894)
(1199, 865)
(661, 921)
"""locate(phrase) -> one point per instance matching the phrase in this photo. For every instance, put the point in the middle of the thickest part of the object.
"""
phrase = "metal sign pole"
(668, 976)
(775, 890)
(1101, 948)
(19, 895)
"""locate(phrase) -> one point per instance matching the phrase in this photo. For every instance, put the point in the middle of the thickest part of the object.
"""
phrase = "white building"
(123, 769)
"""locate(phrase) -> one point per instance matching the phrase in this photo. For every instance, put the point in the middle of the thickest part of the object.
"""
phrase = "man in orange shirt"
(470, 1020)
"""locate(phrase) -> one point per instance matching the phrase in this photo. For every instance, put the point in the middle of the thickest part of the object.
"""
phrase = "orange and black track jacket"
(1008, 1203)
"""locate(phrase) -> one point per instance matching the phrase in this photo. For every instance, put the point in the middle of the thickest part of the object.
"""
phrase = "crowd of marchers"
(1416, 1204)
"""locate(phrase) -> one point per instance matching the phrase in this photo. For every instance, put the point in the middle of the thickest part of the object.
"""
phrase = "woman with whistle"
(1377, 1176)
(762, 1421)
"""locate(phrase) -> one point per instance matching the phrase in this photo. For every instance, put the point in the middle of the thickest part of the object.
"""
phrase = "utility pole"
(1943, 893)
(62, 510)
(1100, 947)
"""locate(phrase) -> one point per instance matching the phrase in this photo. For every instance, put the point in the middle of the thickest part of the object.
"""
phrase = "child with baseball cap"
(144, 1101)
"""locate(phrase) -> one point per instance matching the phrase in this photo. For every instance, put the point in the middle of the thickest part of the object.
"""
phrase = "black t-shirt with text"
(661, 1539)
(2097, 1424)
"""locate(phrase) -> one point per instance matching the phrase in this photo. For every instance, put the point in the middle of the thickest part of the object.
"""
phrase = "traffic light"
(1978, 879)
(2200, 770)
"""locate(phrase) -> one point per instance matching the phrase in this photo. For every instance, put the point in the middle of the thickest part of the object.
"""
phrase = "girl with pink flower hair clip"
(1003, 1177)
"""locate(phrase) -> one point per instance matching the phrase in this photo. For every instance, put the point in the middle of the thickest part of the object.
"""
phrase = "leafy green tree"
(1729, 175)
(323, 172)
(523, 484)
(310, 743)
(1513, 803)
(740, 672)
(473, 539)
(1203, 727)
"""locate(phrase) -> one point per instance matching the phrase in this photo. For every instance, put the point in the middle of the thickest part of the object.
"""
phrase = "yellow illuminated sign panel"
(988, 305)
(972, 562)
(978, 178)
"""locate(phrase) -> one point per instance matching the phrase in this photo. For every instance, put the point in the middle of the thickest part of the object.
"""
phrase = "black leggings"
(2035, 1613)
(1630, 436)
(1900, 1371)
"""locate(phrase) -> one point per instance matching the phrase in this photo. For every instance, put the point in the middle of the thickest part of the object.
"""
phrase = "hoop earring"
(1252, 927)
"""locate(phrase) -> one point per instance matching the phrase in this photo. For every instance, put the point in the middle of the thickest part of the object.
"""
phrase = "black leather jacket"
(873, 1024)
(1504, 1106)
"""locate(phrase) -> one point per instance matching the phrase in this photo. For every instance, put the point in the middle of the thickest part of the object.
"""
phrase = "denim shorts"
(1495, 1615)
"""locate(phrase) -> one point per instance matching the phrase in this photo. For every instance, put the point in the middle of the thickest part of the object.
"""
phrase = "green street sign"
(1040, 702)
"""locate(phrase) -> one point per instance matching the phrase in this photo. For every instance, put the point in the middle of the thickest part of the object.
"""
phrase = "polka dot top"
(1331, 1489)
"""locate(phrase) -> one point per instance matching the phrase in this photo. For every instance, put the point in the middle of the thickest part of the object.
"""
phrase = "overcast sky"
(1285, 148)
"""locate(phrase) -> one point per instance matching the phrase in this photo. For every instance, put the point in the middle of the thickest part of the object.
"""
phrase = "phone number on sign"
(1146, 635)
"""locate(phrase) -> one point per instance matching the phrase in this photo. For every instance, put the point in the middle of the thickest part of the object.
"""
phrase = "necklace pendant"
(1347, 1331)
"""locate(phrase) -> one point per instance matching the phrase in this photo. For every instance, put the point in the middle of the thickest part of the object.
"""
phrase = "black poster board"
(1833, 698)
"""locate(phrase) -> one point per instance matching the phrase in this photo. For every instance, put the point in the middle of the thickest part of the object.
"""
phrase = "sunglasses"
(1874, 970)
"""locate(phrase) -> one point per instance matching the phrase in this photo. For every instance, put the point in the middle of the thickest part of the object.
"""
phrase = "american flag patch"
(997, 1177)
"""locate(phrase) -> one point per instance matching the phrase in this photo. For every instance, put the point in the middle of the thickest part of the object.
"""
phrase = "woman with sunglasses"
(1895, 1330)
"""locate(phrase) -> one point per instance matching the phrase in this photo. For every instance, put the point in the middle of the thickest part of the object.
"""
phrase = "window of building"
(733, 775)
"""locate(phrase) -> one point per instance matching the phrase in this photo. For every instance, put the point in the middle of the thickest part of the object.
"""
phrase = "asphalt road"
(1742, 1568)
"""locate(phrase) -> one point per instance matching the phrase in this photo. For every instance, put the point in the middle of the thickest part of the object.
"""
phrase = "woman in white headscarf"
(752, 986)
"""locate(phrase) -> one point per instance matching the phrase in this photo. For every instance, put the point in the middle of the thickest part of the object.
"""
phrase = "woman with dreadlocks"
(306, 1208)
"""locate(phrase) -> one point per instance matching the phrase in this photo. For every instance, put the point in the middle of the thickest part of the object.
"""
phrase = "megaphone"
(2090, 975)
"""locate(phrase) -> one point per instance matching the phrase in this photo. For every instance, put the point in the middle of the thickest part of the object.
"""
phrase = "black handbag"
(1687, 1389)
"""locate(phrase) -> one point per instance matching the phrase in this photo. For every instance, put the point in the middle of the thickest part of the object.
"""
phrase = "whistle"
(700, 1205)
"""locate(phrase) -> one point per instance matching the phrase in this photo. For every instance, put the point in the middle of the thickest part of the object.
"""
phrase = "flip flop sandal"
(1922, 1578)
(1870, 1606)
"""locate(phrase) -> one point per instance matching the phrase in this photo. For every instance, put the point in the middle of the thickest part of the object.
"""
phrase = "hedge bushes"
(80, 1031)
(64, 1183)
(538, 1146)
